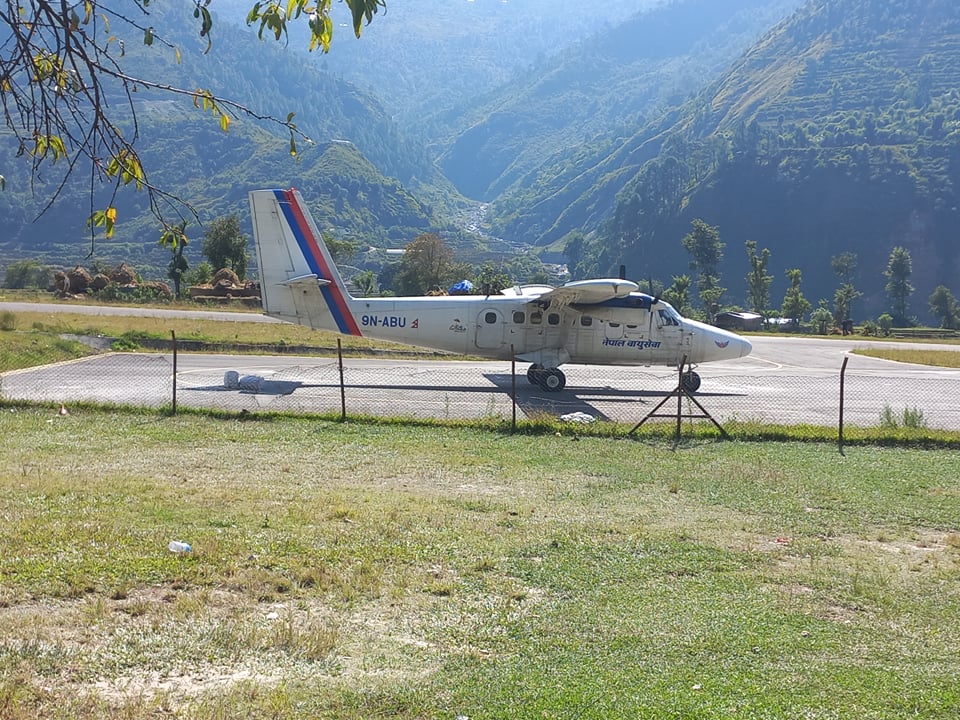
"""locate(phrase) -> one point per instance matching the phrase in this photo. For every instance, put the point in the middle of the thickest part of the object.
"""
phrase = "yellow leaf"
(112, 214)
(224, 123)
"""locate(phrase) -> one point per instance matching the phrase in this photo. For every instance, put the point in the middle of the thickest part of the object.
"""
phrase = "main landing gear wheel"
(552, 380)
(690, 381)
(534, 373)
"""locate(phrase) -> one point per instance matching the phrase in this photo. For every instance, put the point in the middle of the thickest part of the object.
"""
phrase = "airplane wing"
(587, 292)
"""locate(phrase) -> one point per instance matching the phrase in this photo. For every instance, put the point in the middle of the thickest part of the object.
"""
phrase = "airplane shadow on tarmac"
(264, 387)
(531, 399)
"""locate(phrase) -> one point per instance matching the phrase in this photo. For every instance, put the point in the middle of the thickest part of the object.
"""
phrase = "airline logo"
(318, 260)
(721, 343)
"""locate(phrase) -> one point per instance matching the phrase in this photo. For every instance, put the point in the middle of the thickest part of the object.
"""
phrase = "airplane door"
(491, 330)
(674, 340)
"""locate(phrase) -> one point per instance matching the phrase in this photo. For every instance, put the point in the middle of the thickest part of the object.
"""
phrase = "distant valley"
(812, 128)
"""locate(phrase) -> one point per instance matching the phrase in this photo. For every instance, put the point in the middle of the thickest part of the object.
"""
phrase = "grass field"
(937, 358)
(387, 571)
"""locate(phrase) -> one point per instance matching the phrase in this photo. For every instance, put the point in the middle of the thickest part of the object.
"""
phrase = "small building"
(739, 321)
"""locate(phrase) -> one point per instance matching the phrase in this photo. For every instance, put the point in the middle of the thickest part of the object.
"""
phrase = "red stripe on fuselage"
(332, 292)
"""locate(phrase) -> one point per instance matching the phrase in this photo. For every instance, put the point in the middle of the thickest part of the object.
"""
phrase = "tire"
(690, 381)
(535, 374)
(553, 380)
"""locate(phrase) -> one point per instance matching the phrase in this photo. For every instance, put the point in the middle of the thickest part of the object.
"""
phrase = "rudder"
(299, 281)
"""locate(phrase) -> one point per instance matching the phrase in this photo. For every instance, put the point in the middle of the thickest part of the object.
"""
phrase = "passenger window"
(613, 324)
(536, 318)
(490, 318)
(553, 318)
(519, 317)
(586, 320)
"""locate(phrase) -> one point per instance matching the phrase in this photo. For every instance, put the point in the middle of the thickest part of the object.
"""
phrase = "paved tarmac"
(794, 383)
(787, 380)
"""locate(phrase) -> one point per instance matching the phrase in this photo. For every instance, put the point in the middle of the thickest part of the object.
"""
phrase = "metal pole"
(343, 393)
(173, 335)
(680, 393)
(843, 373)
(513, 389)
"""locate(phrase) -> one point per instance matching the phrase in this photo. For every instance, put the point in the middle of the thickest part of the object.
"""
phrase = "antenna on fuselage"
(623, 272)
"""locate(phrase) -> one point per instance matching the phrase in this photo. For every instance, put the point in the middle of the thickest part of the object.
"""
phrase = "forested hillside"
(549, 126)
(360, 173)
(423, 57)
(838, 132)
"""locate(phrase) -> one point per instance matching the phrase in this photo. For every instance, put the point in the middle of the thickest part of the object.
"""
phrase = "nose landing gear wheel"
(691, 381)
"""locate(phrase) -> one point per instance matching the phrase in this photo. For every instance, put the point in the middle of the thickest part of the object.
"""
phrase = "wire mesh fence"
(876, 394)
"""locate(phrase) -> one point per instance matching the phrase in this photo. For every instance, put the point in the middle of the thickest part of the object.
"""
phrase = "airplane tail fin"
(298, 281)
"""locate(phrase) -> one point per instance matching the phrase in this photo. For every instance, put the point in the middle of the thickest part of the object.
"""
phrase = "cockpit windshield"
(668, 316)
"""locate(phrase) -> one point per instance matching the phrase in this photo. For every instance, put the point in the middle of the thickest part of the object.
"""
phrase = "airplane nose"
(746, 347)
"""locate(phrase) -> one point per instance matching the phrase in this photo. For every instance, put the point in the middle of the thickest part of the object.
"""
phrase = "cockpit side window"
(668, 316)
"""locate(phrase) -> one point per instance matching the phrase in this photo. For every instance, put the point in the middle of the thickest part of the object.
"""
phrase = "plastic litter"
(179, 547)
(578, 417)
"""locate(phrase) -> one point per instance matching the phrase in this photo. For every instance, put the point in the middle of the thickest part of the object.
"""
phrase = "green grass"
(213, 332)
(352, 570)
(938, 358)
(28, 349)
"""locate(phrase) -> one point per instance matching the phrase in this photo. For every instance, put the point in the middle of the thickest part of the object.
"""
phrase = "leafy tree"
(678, 294)
(60, 62)
(366, 283)
(427, 263)
(758, 279)
(342, 251)
(27, 274)
(706, 250)
(843, 302)
(944, 307)
(822, 317)
(845, 267)
(225, 246)
(490, 281)
(178, 263)
(795, 305)
(885, 323)
(898, 287)
(201, 274)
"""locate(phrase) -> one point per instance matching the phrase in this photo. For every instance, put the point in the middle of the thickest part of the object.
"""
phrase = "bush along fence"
(862, 400)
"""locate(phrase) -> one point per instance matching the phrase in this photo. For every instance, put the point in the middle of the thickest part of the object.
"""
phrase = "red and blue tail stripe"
(333, 293)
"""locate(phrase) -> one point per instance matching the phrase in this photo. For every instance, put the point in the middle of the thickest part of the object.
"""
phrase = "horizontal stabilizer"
(320, 282)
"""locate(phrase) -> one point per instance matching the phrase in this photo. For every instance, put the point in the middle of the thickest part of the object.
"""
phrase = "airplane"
(604, 321)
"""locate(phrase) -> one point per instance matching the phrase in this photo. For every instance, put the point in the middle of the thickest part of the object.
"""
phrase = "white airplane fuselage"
(603, 322)
(500, 327)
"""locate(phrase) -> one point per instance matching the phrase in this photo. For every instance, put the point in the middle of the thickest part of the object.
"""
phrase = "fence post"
(173, 406)
(843, 374)
(343, 393)
(513, 389)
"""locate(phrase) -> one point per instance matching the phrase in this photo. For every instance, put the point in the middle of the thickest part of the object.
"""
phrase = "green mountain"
(540, 131)
(838, 132)
(360, 173)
